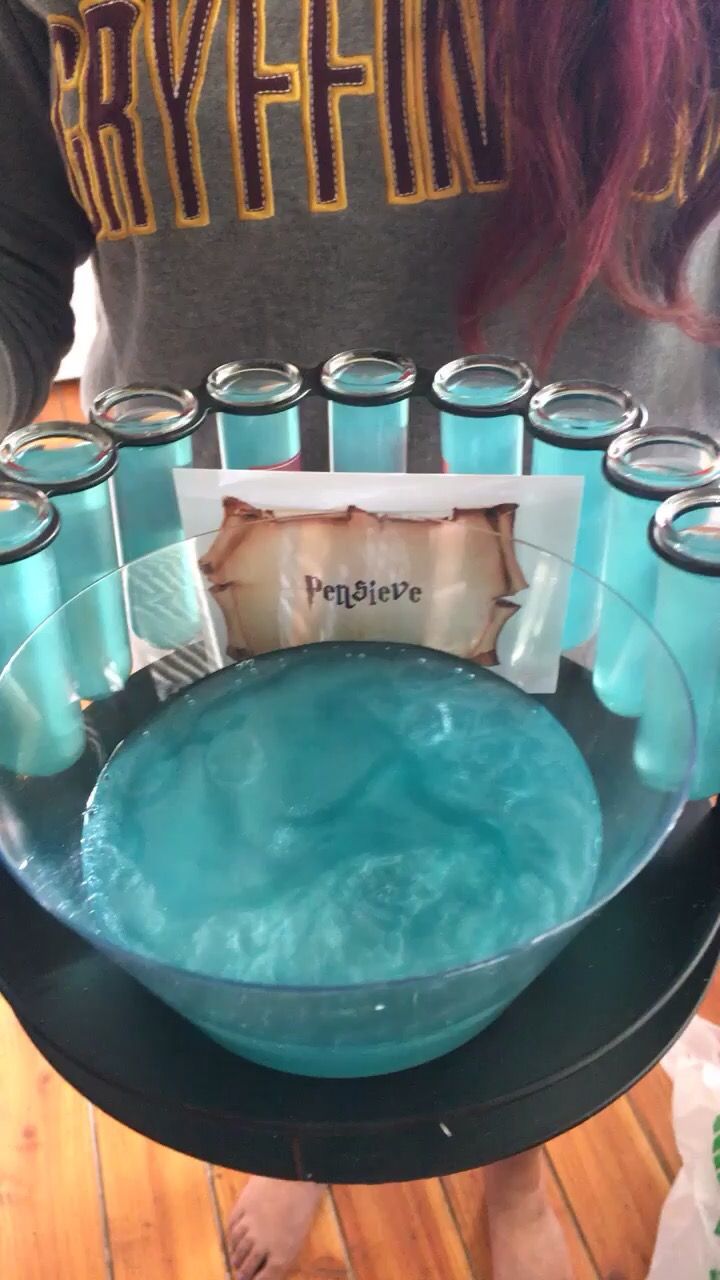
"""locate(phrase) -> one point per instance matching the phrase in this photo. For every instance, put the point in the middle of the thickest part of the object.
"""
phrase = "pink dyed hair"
(593, 83)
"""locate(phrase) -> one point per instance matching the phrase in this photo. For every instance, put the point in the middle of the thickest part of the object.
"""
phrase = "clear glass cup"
(73, 464)
(153, 428)
(482, 417)
(336, 1028)
(258, 420)
(685, 538)
(367, 421)
(41, 727)
(642, 468)
(572, 424)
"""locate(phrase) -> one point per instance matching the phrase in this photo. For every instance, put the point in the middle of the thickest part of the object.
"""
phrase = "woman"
(259, 178)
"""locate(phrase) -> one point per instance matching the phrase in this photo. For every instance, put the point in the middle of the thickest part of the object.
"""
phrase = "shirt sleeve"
(44, 234)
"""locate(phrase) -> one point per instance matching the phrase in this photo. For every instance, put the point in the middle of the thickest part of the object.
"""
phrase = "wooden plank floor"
(63, 405)
(81, 1198)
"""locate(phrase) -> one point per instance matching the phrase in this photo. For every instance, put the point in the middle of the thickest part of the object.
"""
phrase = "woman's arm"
(44, 233)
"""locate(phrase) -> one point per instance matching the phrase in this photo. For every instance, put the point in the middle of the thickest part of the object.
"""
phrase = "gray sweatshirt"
(275, 179)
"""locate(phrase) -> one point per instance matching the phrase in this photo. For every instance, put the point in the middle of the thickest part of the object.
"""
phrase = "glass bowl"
(459, 967)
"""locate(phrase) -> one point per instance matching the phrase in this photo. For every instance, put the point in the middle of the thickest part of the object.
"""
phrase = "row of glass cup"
(59, 484)
(139, 434)
(368, 395)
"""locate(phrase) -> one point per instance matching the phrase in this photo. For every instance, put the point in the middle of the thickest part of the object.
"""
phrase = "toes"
(269, 1272)
(252, 1264)
(239, 1251)
(238, 1240)
(237, 1214)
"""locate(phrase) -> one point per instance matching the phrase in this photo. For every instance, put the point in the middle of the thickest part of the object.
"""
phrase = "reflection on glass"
(642, 467)
(73, 464)
(488, 444)
(368, 437)
(572, 424)
(153, 428)
(685, 534)
(41, 729)
(248, 438)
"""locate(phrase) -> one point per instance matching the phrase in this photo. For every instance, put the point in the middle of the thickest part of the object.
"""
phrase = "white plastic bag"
(688, 1241)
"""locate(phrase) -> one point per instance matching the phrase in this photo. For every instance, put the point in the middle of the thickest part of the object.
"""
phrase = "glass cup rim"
(671, 543)
(632, 477)
(225, 374)
(670, 813)
(186, 419)
(49, 515)
(100, 470)
(401, 387)
(517, 369)
(541, 423)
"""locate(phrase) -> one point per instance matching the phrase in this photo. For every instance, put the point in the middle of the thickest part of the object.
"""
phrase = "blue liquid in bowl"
(336, 816)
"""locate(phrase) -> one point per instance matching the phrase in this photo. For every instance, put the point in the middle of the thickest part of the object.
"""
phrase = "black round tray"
(595, 1021)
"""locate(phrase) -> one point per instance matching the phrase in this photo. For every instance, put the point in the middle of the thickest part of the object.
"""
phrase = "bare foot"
(268, 1226)
(526, 1238)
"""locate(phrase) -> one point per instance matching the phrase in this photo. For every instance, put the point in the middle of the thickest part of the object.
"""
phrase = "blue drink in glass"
(642, 468)
(153, 428)
(368, 409)
(343, 814)
(685, 537)
(258, 421)
(72, 464)
(298, 817)
(572, 424)
(482, 401)
(41, 727)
